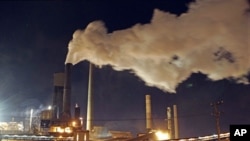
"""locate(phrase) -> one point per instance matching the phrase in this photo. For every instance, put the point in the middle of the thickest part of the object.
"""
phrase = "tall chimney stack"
(89, 106)
(169, 121)
(67, 92)
(148, 113)
(176, 126)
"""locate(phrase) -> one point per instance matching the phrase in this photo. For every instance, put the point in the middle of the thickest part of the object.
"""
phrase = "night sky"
(34, 38)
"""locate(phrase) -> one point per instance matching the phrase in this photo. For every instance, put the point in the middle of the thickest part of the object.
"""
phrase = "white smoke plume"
(211, 38)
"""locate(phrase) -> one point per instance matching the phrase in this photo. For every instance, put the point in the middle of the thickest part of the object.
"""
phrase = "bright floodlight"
(49, 108)
(162, 135)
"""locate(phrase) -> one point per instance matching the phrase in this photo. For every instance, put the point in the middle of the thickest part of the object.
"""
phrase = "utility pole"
(217, 113)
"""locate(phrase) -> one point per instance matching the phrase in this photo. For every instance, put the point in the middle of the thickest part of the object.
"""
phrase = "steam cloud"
(212, 38)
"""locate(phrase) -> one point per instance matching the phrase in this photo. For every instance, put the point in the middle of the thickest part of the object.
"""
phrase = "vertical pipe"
(89, 106)
(169, 122)
(67, 92)
(148, 113)
(176, 128)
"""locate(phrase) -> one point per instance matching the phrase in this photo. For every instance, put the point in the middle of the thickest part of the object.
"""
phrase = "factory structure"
(59, 122)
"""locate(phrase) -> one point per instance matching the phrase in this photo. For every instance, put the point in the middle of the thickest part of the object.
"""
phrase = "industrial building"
(58, 122)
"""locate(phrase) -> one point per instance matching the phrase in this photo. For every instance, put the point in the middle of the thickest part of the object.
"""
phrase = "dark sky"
(34, 37)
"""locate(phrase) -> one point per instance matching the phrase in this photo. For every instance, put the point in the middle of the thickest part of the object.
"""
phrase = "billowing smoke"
(212, 38)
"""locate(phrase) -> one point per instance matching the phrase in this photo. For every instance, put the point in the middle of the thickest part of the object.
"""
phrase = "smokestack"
(67, 92)
(31, 116)
(148, 113)
(89, 106)
(176, 128)
(169, 121)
